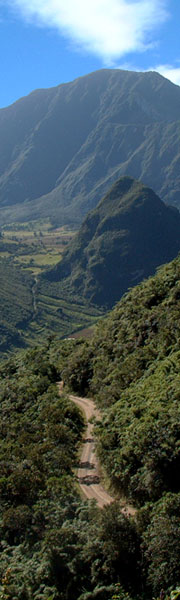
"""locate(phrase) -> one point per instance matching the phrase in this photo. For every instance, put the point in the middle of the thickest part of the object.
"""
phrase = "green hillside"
(54, 545)
(68, 158)
(120, 242)
(16, 305)
(29, 314)
(132, 368)
(62, 148)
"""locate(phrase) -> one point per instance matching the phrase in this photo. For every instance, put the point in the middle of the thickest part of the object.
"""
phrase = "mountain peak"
(120, 242)
(62, 148)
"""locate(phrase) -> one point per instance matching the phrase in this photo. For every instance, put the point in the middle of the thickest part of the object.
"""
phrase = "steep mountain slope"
(132, 368)
(52, 543)
(62, 148)
(121, 242)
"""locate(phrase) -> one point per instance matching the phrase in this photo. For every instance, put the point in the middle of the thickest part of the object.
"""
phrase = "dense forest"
(54, 544)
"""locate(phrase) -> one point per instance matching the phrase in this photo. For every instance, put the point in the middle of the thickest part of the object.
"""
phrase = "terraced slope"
(16, 305)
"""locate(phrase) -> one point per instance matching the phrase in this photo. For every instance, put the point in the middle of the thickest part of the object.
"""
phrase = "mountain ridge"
(121, 241)
(63, 147)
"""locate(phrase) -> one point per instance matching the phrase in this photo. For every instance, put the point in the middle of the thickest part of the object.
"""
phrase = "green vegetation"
(120, 242)
(39, 436)
(15, 303)
(34, 245)
(143, 432)
(29, 313)
(54, 545)
(132, 366)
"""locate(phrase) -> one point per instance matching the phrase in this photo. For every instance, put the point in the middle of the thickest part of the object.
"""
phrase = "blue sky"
(47, 42)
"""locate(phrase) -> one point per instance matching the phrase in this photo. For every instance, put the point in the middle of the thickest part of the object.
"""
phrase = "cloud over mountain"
(108, 28)
(170, 72)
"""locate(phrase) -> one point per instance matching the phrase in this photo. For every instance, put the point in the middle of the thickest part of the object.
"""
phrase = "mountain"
(120, 242)
(62, 148)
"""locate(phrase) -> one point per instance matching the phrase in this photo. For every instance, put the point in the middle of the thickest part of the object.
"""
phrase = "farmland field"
(35, 246)
(31, 309)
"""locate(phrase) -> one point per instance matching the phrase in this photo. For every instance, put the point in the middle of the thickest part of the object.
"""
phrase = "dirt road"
(88, 470)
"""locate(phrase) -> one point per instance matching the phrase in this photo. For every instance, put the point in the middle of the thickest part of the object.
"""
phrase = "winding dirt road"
(88, 470)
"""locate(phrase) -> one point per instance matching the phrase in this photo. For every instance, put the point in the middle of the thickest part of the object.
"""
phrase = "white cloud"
(109, 28)
(169, 71)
